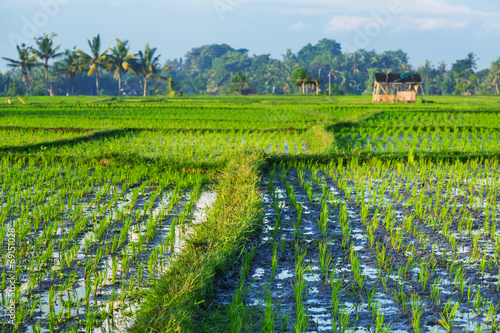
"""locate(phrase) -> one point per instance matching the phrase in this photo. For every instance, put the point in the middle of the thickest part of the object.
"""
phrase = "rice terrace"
(250, 214)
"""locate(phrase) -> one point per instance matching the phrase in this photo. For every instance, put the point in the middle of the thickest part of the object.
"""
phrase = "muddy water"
(387, 291)
(121, 323)
(99, 300)
(469, 317)
(317, 296)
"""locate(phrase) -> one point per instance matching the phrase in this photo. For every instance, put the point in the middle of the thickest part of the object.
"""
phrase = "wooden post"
(376, 97)
(389, 98)
(423, 93)
(330, 84)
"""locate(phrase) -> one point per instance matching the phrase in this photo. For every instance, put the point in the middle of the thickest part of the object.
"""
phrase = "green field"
(249, 214)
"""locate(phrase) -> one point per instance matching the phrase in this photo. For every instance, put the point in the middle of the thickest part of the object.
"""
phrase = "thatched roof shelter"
(405, 85)
(398, 78)
(307, 83)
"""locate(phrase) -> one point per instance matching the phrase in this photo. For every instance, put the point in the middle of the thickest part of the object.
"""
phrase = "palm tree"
(45, 52)
(442, 67)
(288, 56)
(335, 71)
(472, 59)
(495, 72)
(95, 60)
(289, 65)
(148, 65)
(375, 60)
(121, 60)
(426, 72)
(239, 81)
(355, 60)
(27, 61)
(69, 66)
(336, 65)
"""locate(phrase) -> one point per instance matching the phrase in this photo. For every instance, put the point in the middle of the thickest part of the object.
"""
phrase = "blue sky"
(426, 29)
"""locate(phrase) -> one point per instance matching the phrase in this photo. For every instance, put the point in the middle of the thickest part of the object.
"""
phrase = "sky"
(435, 30)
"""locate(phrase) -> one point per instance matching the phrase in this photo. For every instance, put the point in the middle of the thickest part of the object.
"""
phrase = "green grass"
(174, 302)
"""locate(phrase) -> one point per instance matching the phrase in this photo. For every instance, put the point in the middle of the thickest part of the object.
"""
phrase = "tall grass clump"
(174, 302)
(319, 141)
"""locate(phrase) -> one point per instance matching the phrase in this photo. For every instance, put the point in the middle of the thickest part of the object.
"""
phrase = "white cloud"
(438, 23)
(492, 27)
(359, 7)
(298, 26)
(395, 23)
(346, 23)
(421, 15)
(307, 11)
(439, 8)
(429, 24)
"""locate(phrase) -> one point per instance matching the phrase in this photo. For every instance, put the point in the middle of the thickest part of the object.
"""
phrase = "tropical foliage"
(212, 69)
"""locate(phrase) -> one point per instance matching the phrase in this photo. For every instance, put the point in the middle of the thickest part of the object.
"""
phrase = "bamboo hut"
(306, 84)
(397, 88)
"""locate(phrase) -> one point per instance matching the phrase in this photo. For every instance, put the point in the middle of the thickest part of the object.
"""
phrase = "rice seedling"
(325, 259)
(359, 278)
(448, 315)
(341, 324)
(274, 263)
(478, 300)
(268, 323)
(426, 270)
(417, 311)
(298, 287)
(344, 225)
(379, 324)
(323, 220)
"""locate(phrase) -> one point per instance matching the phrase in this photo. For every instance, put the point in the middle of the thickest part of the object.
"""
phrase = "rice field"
(437, 131)
(14, 138)
(299, 214)
(400, 140)
(180, 115)
(188, 146)
(90, 237)
(377, 248)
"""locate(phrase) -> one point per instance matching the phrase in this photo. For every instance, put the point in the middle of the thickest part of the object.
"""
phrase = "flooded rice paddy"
(376, 248)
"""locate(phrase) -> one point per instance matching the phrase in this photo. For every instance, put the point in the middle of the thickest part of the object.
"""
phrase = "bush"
(15, 89)
(39, 92)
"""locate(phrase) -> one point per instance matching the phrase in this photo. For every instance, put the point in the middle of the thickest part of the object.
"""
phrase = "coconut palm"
(239, 81)
(335, 71)
(442, 67)
(288, 56)
(472, 59)
(427, 72)
(69, 66)
(289, 65)
(495, 73)
(121, 60)
(27, 61)
(95, 60)
(148, 65)
(45, 52)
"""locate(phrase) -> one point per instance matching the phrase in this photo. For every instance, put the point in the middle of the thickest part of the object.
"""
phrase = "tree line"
(32, 74)
(44, 69)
